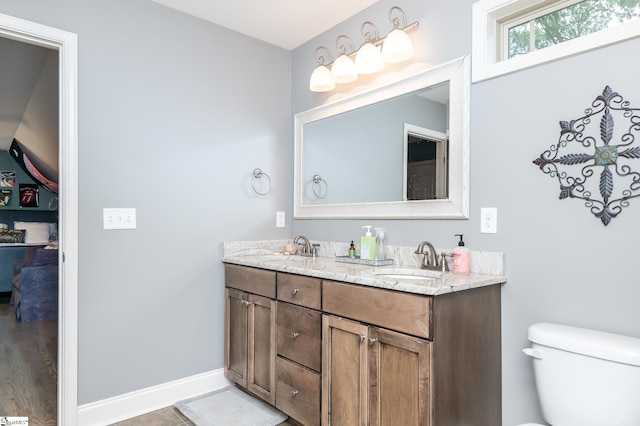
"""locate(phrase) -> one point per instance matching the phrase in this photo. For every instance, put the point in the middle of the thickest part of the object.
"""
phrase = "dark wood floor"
(28, 368)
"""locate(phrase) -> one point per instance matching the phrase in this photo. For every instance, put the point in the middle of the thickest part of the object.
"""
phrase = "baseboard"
(118, 408)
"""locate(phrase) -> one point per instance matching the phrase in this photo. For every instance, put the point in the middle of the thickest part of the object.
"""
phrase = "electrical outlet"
(488, 220)
(119, 218)
(279, 219)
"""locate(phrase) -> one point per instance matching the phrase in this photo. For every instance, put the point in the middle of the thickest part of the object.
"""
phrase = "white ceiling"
(284, 23)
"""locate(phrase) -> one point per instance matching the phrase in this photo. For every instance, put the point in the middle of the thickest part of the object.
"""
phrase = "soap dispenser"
(352, 251)
(381, 244)
(460, 258)
(367, 244)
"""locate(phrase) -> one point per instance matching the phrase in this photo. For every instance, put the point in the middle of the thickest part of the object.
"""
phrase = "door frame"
(66, 44)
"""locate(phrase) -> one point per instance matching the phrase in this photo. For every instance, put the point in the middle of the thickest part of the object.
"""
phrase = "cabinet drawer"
(299, 331)
(252, 280)
(407, 313)
(298, 392)
(300, 290)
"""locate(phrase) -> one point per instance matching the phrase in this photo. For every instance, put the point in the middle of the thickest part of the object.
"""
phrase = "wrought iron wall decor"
(589, 165)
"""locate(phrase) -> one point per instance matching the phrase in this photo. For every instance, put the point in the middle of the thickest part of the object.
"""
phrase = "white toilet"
(585, 377)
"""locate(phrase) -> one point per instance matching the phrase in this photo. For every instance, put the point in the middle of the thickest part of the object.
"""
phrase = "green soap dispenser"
(368, 244)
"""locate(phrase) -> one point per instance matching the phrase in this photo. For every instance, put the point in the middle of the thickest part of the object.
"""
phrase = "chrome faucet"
(430, 260)
(303, 245)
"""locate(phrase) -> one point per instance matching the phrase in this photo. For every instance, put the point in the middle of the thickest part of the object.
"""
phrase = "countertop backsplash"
(482, 262)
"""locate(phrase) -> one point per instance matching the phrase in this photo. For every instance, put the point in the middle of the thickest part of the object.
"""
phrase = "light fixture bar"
(370, 58)
(379, 41)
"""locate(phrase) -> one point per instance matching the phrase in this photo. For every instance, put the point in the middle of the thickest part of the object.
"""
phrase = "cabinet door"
(235, 336)
(344, 372)
(399, 379)
(261, 347)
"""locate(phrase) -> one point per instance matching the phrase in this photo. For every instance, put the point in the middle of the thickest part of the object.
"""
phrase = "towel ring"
(258, 174)
(316, 187)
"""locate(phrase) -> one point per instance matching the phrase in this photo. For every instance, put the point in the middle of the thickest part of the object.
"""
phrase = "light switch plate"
(280, 219)
(119, 218)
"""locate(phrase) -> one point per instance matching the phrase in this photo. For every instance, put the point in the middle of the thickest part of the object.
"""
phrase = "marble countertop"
(327, 268)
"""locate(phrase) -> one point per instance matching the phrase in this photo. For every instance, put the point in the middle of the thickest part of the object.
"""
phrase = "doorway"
(67, 46)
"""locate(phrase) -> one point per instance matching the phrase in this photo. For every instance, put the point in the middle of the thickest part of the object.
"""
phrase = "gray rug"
(229, 406)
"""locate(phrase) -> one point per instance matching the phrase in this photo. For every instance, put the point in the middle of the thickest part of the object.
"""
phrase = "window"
(513, 34)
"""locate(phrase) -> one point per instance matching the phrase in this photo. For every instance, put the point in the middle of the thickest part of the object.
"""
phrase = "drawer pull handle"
(294, 392)
(295, 291)
(372, 341)
(294, 335)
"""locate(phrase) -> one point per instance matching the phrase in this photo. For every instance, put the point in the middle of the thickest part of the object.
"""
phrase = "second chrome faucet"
(430, 260)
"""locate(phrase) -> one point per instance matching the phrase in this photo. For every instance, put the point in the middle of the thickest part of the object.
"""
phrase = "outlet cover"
(488, 220)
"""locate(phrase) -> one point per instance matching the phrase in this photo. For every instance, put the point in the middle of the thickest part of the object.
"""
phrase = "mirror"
(400, 151)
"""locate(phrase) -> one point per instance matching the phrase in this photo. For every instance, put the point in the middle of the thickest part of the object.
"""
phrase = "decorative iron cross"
(601, 162)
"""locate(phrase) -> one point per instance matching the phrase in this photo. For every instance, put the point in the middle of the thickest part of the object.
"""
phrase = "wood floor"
(28, 368)
(29, 373)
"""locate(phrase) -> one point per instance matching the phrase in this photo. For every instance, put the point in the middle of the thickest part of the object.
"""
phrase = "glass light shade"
(321, 80)
(343, 70)
(369, 59)
(397, 47)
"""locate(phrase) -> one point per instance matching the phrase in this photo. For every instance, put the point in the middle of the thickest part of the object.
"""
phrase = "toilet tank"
(585, 377)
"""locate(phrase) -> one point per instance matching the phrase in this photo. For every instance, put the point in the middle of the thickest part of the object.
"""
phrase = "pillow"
(12, 236)
(37, 232)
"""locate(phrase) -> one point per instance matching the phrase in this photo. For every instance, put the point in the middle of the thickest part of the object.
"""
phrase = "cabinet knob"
(362, 337)
(372, 341)
(294, 392)
(295, 291)
(246, 302)
(294, 335)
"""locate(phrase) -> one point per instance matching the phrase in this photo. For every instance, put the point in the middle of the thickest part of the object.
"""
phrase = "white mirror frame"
(456, 206)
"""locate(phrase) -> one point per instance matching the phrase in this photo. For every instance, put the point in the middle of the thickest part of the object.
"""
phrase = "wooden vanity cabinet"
(299, 347)
(374, 376)
(407, 359)
(250, 332)
(335, 353)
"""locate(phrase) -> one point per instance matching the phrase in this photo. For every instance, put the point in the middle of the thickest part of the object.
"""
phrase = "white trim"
(67, 45)
(487, 13)
(116, 409)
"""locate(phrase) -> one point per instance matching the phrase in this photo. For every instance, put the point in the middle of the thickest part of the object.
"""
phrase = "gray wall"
(563, 265)
(174, 115)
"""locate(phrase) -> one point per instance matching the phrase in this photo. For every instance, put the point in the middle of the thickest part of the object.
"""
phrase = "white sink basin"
(284, 257)
(407, 273)
(404, 276)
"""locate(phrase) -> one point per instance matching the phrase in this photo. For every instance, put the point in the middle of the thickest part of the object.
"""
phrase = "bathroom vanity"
(342, 344)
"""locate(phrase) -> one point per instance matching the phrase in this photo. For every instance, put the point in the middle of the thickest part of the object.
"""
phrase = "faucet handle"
(445, 265)
(314, 249)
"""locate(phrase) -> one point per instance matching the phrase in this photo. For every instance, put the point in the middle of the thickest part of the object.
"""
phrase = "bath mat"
(229, 406)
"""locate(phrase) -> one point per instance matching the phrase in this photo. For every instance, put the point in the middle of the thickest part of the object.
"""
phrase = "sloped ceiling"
(21, 67)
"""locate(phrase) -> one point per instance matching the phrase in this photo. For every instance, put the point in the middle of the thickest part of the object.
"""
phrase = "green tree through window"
(577, 20)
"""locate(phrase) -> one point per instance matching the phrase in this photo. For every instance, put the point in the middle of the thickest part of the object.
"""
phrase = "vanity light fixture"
(370, 58)
(321, 79)
(343, 69)
(398, 46)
